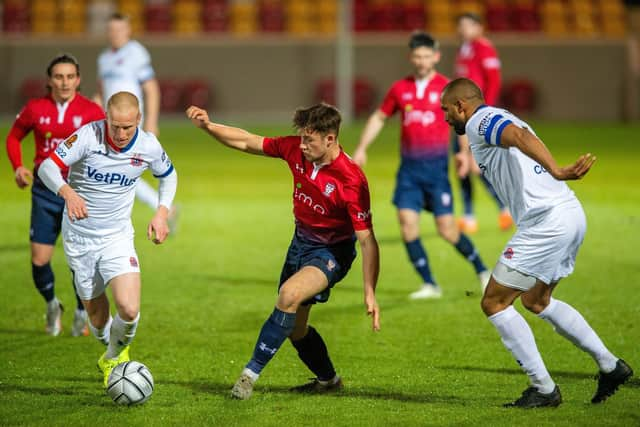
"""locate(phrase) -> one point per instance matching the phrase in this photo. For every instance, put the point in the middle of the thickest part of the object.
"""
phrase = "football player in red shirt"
(477, 59)
(52, 118)
(331, 210)
(423, 176)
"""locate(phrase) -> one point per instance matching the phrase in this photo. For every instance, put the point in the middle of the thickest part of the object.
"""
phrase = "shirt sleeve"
(491, 74)
(161, 165)
(21, 127)
(491, 127)
(390, 102)
(144, 70)
(358, 203)
(72, 149)
(280, 146)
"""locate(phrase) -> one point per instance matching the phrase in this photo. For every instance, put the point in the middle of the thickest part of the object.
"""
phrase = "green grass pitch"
(207, 291)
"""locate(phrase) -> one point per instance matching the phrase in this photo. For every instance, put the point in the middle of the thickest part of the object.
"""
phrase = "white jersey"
(125, 69)
(520, 182)
(105, 176)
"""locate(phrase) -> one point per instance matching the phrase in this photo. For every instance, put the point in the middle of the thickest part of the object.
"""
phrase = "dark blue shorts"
(424, 185)
(334, 261)
(46, 214)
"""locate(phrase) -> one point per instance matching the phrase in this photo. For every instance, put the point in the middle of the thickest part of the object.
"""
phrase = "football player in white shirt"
(105, 160)
(126, 66)
(551, 226)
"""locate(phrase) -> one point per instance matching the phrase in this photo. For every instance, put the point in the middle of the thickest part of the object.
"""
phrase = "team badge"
(331, 265)
(433, 97)
(77, 121)
(133, 261)
(136, 160)
(328, 189)
(69, 141)
(508, 254)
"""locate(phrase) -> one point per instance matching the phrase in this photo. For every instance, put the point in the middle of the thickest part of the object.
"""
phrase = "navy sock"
(467, 194)
(419, 259)
(466, 248)
(491, 191)
(44, 280)
(273, 333)
(313, 352)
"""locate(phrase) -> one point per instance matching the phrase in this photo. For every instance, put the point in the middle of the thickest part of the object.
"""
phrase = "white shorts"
(547, 250)
(94, 261)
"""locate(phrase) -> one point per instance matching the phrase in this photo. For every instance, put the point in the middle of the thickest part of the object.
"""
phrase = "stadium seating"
(15, 16)
(214, 15)
(555, 18)
(519, 96)
(178, 94)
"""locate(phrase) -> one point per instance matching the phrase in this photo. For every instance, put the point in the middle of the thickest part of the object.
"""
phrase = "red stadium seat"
(525, 17)
(412, 15)
(196, 92)
(32, 87)
(214, 15)
(498, 17)
(170, 95)
(519, 96)
(361, 14)
(158, 17)
(271, 15)
(15, 16)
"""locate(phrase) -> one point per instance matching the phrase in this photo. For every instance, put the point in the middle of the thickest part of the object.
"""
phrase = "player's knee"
(533, 303)
(450, 234)
(289, 299)
(39, 259)
(128, 312)
(410, 231)
(491, 305)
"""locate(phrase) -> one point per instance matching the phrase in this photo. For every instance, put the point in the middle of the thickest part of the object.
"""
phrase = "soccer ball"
(130, 383)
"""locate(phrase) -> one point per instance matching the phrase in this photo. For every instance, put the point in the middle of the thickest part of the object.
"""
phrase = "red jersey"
(425, 134)
(51, 124)
(331, 201)
(478, 60)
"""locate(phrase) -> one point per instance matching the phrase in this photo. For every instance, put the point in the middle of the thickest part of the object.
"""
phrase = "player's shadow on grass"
(633, 382)
(224, 390)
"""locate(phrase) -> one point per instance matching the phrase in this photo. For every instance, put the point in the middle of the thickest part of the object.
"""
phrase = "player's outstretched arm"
(532, 146)
(232, 137)
(370, 270)
(371, 130)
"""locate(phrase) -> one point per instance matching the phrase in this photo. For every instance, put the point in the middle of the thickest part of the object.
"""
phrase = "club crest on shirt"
(508, 254)
(69, 141)
(77, 121)
(328, 189)
(434, 97)
(407, 96)
(136, 160)
(133, 261)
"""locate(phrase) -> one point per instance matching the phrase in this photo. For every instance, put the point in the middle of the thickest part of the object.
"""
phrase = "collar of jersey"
(126, 147)
(479, 108)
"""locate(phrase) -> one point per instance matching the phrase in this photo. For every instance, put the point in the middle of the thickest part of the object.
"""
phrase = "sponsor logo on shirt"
(69, 141)
(308, 200)
(45, 120)
(484, 124)
(110, 177)
(363, 216)
(539, 170)
(328, 189)
(425, 118)
(508, 254)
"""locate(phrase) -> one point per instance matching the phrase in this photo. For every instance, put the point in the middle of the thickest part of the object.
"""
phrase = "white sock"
(122, 334)
(569, 323)
(147, 194)
(102, 334)
(254, 377)
(518, 338)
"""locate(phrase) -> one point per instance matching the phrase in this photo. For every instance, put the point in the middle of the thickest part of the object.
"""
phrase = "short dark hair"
(470, 15)
(63, 58)
(322, 118)
(117, 16)
(422, 39)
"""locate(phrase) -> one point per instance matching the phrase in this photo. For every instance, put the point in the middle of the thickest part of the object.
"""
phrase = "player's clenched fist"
(76, 207)
(198, 116)
(23, 177)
